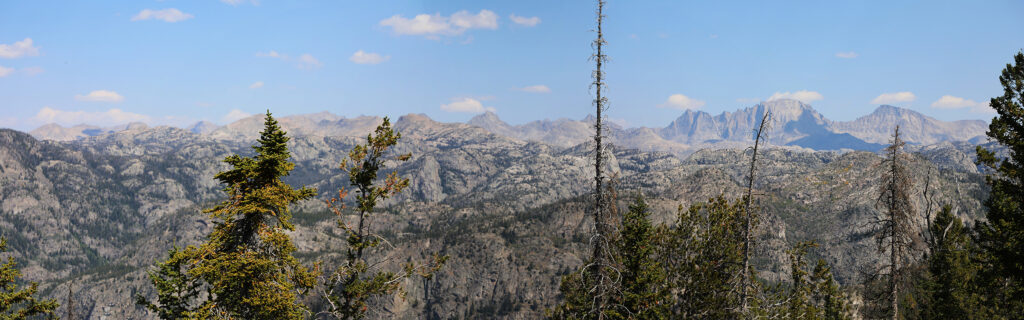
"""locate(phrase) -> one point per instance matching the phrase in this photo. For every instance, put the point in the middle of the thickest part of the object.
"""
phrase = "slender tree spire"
(894, 197)
(745, 282)
(600, 239)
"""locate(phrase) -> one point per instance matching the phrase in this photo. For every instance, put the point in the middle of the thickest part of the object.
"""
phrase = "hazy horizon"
(177, 63)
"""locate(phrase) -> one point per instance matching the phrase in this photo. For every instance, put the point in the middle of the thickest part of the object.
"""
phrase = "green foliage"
(643, 294)
(951, 273)
(351, 285)
(247, 263)
(20, 302)
(1001, 237)
(702, 256)
(177, 290)
(814, 293)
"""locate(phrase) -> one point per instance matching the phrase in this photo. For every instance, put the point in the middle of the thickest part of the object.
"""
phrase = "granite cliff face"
(794, 124)
(97, 211)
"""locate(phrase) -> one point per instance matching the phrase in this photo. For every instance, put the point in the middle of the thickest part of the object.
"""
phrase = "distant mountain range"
(794, 124)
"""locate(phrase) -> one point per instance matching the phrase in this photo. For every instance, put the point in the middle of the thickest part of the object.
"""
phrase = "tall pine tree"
(951, 272)
(644, 294)
(18, 302)
(349, 288)
(1001, 237)
(246, 264)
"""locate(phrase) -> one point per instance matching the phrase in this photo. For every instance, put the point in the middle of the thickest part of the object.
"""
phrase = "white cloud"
(256, 85)
(363, 57)
(307, 61)
(4, 71)
(19, 49)
(433, 26)
(100, 96)
(468, 105)
(486, 19)
(952, 102)
(847, 55)
(238, 2)
(682, 102)
(100, 118)
(167, 15)
(802, 96)
(235, 115)
(272, 54)
(894, 97)
(540, 88)
(524, 21)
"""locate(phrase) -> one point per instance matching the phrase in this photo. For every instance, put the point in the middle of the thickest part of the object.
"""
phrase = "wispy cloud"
(4, 71)
(802, 96)
(238, 2)
(166, 15)
(524, 21)
(23, 48)
(100, 96)
(467, 105)
(847, 55)
(436, 25)
(363, 57)
(953, 102)
(894, 97)
(235, 115)
(682, 102)
(540, 88)
(305, 60)
(256, 85)
(99, 118)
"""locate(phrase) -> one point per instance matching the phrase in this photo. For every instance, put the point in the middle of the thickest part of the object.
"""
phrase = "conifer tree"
(178, 292)
(643, 292)
(703, 259)
(814, 293)
(599, 267)
(951, 273)
(590, 292)
(1001, 236)
(749, 219)
(894, 236)
(246, 264)
(19, 302)
(349, 288)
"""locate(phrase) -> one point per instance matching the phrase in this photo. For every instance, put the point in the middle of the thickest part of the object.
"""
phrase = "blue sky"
(177, 62)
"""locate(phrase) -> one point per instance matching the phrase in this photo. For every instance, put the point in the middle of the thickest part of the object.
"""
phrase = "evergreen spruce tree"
(1001, 236)
(703, 260)
(246, 264)
(894, 236)
(814, 293)
(643, 292)
(951, 273)
(178, 292)
(19, 302)
(349, 288)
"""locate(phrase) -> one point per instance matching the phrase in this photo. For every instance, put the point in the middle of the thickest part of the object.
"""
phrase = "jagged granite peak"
(203, 127)
(99, 211)
(915, 128)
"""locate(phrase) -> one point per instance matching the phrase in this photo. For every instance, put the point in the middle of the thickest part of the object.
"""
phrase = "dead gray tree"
(894, 196)
(745, 277)
(600, 239)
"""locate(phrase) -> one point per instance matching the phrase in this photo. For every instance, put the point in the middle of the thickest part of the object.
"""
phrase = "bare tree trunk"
(745, 282)
(601, 237)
